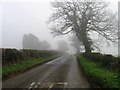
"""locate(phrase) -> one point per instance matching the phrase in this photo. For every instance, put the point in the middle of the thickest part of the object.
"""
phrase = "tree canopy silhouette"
(31, 41)
(82, 18)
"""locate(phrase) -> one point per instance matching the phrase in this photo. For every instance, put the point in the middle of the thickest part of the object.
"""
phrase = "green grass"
(26, 64)
(103, 77)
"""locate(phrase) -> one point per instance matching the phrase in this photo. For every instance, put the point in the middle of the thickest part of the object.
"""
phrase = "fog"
(24, 18)
(29, 16)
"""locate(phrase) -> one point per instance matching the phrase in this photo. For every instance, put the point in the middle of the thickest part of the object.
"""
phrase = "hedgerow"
(105, 60)
(14, 56)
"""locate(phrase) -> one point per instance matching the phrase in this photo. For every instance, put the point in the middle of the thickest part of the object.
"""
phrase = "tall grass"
(105, 78)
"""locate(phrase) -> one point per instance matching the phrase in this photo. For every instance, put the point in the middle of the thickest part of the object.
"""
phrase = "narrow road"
(62, 72)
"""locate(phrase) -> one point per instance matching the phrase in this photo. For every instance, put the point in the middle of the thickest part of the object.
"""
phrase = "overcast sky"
(19, 17)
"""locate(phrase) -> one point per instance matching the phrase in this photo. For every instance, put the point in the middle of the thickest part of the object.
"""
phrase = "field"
(103, 77)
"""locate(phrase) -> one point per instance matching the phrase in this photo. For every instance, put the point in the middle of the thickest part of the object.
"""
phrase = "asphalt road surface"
(63, 72)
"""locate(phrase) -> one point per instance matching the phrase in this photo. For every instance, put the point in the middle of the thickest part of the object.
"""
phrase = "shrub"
(13, 56)
(108, 61)
(101, 76)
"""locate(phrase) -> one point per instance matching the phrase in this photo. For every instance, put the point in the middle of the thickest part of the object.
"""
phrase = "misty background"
(30, 16)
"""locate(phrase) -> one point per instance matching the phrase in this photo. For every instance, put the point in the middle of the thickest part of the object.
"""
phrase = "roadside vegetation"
(24, 65)
(15, 61)
(104, 77)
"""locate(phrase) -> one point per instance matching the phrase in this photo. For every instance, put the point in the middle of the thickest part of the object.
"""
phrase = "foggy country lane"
(63, 72)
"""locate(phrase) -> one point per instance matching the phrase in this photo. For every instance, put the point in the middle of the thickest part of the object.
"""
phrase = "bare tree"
(83, 18)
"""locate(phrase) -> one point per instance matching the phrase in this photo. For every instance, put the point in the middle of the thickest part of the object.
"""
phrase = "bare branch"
(82, 18)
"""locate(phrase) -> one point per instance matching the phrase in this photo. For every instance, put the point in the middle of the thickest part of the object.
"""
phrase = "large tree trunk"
(84, 37)
(82, 34)
(86, 44)
(85, 41)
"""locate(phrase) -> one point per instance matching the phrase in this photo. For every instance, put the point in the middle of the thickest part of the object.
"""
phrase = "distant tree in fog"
(45, 45)
(78, 45)
(63, 46)
(31, 41)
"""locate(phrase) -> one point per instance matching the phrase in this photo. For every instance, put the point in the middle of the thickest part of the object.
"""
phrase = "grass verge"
(101, 76)
(11, 70)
